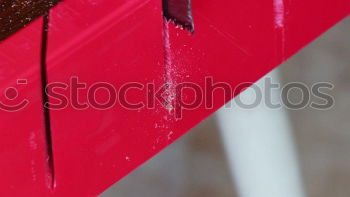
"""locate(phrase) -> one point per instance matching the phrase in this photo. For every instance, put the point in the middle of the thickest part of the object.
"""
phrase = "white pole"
(260, 148)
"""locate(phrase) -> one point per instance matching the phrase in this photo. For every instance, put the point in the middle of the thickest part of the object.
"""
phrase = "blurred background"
(315, 153)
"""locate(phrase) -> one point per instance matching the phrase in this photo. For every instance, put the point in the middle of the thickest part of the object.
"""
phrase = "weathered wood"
(16, 14)
(180, 12)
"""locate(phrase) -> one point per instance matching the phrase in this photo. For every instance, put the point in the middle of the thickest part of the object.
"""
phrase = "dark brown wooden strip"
(180, 12)
(16, 14)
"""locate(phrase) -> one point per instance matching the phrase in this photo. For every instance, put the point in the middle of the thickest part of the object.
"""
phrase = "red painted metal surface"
(101, 146)
(23, 167)
(119, 42)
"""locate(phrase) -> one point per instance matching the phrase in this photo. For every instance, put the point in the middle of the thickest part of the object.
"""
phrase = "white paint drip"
(169, 68)
(279, 9)
(280, 22)
(167, 50)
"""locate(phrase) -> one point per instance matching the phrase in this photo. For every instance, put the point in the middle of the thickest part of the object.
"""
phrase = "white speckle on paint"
(34, 176)
(171, 133)
(33, 145)
(161, 126)
(279, 13)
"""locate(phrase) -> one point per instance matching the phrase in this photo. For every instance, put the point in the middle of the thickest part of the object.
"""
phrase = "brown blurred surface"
(195, 166)
(323, 137)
